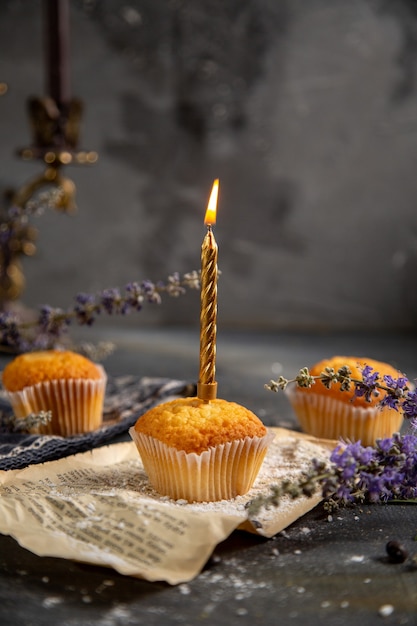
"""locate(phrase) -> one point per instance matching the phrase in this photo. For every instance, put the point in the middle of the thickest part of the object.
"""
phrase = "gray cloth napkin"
(127, 398)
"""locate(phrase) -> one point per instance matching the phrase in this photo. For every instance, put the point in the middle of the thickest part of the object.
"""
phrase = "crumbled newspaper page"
(98, 507)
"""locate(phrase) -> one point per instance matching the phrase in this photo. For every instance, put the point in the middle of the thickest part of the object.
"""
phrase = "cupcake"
(334, 413)
(66, 383)
(201, 451)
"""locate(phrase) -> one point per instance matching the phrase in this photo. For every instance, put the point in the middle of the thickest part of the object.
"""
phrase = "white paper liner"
(76, 405)
(219, 473)
(326, 417)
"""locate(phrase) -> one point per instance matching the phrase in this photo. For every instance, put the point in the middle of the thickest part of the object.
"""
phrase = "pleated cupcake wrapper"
(76, 405)
(329, 418)
(219, 473)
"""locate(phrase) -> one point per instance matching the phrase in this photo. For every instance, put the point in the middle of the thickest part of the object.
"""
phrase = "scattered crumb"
(386, 610)
(357, 558)
(209, 608)
(184, 590)
(120, 612)
(52, 601)
(277, 368)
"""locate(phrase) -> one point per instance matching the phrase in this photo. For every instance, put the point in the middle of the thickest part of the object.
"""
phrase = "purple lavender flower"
(134, 296)
(174, 287)
(385, 472)
(384, 445)
(409, 405)
(52, 321)
(151, 291)
(46, 331)
(112, 301)
(391, 401)
(5, 235)
(344, 493)
(408, 444)
(373, 485)
(369, 376)
(345, 453)
(395, 391)
(86, 309)
(381, 473)
(9, 330)
(396, 384)
(148, 286)
(192, 280)
(14, 211)
(368, 386)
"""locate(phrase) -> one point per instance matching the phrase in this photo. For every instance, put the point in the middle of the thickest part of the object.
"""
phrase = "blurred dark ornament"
(56, 130)
(17, 239)
(55, 121)
(56, 118)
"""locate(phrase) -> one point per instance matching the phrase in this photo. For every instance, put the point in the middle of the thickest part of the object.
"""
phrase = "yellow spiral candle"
(207, 386)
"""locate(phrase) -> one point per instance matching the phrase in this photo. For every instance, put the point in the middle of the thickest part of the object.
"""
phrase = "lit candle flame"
(210, 218)
(207, 386)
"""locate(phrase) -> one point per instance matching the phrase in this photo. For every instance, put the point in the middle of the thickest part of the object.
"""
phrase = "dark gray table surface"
(316, 572)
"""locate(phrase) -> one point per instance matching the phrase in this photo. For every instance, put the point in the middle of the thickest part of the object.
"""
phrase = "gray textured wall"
(305, 109)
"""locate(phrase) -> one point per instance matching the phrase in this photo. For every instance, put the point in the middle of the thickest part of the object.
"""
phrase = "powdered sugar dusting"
(287, 458)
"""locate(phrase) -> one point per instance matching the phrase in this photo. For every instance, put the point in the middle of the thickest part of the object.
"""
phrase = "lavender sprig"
(51, 324)
(33, 420)
(355, 474)
(397, 394)
(17, 236)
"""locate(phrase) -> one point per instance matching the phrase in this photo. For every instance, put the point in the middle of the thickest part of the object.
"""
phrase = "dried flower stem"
(33, 420)
(386, 472)
(397, 393)
(51, 324)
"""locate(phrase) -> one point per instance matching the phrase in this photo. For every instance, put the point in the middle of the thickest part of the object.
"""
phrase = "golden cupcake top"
(36, 367)
(355, 365)
(193, 425)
